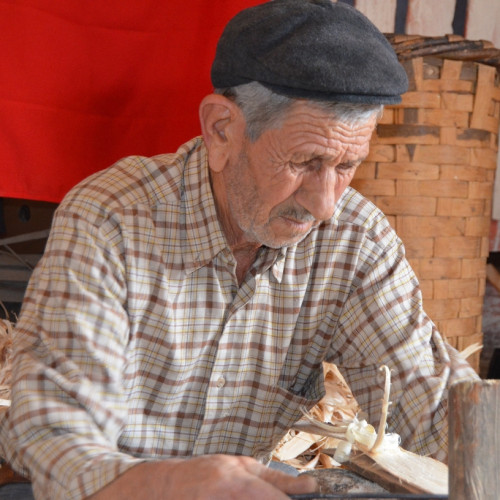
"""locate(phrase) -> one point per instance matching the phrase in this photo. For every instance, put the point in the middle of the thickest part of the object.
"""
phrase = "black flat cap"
(313, 49)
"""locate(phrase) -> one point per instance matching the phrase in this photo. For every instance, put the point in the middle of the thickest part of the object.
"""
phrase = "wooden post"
(474, 440)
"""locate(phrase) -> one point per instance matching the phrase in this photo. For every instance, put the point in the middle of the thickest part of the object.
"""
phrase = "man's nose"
(317, 193)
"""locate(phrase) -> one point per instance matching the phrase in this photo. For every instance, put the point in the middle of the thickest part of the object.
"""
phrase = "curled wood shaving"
(331, 416)
(470, 350)
(335, 419)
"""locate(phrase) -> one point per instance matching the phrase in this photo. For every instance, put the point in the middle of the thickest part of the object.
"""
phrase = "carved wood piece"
(401, 471)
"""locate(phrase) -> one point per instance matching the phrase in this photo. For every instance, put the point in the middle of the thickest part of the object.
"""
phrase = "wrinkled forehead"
(308, 117)
(308, 132)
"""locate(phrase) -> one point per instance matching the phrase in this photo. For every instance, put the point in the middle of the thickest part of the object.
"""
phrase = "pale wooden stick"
(385, 409)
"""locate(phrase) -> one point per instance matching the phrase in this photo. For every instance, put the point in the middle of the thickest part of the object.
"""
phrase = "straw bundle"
(5, 361)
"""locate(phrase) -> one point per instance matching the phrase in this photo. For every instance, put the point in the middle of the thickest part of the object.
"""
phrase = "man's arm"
(384, 323)
(206, 477)
(68, 404)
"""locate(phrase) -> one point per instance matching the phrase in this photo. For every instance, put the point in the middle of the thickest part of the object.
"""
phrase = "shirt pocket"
(284, 408)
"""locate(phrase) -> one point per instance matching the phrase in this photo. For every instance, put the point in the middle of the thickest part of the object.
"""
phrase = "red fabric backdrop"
(86, 82)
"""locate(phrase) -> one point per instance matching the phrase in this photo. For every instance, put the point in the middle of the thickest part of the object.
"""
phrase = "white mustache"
(298, 214)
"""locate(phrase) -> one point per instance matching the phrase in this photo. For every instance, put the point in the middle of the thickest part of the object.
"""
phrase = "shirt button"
(220, 383)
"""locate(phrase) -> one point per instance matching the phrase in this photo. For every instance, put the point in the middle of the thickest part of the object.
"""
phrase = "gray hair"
(264, 109)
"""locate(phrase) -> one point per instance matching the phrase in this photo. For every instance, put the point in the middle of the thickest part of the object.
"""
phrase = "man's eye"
(345, 167)
(298, 166)
(306, 165)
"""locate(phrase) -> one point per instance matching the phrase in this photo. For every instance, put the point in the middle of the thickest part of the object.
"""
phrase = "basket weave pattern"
(431, 170)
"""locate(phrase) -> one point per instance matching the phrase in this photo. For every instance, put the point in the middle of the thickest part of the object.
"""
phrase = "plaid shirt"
(136, 342)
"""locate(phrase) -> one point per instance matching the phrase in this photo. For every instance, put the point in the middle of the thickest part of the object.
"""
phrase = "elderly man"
(179, 318)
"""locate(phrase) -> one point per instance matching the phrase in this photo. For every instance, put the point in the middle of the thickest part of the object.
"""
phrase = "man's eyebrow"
(303, 160)
(353, 163)
(360, 160)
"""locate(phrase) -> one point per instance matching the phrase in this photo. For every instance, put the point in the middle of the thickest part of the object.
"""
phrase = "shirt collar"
(204, 237)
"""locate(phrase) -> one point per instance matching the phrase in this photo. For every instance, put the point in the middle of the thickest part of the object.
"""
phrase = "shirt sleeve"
(68, 404)
(384, 323)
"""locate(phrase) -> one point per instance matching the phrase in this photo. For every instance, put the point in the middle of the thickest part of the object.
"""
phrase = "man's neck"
(244, 251)
(245, 257)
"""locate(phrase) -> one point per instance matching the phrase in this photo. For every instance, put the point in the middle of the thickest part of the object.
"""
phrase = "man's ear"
(220, 125)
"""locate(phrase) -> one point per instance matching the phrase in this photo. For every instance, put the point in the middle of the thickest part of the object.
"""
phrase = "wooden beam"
(37, 235)
(474, 440)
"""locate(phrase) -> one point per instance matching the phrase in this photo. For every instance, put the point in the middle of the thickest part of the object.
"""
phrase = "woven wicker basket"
(431, 170)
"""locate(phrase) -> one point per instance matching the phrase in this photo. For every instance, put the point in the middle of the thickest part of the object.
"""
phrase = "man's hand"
(208, 477)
